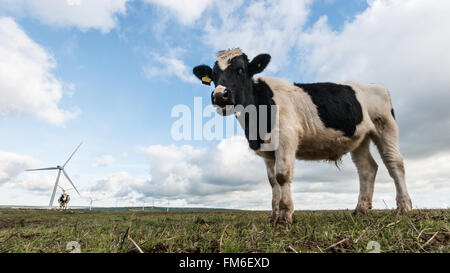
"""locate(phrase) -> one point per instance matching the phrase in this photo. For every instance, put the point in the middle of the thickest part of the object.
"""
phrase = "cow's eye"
(240, 71)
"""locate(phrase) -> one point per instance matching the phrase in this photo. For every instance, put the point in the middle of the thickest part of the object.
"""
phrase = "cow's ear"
(204, 73)
(258, 64)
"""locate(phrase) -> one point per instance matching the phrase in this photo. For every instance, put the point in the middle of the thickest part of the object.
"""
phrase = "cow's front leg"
(284, 171)
(276, 190)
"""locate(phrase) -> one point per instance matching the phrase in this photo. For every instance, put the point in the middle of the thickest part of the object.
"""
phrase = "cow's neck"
(261, 94)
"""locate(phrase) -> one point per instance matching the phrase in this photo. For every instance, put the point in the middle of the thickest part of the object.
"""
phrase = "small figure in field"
(63, 201)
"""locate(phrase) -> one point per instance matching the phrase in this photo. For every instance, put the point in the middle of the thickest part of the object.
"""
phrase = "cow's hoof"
(274, 218)
(362, 209)
(281, 219)
(404, 205)
(285, 218)
(360, 212)
(285, 222)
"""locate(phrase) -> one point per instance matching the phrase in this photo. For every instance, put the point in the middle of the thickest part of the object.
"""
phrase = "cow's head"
(232, 76)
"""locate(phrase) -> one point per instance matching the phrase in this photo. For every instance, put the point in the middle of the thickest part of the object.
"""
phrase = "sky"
(109, 73)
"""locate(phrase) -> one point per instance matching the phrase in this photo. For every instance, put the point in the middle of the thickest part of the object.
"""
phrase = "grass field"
(223, 231)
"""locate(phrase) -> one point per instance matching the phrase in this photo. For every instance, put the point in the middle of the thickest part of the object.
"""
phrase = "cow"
(315, 121)
(63, 201)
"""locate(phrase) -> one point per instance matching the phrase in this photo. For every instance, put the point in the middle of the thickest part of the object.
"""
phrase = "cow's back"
(329, 119)
(374, 98)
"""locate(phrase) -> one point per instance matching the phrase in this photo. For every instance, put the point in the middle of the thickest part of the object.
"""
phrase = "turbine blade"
(72, 155)
(43, 169)
(67, 176)
(54, 189)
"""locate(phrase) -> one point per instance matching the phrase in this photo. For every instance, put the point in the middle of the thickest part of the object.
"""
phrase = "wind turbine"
(60, 170)
(90, 204)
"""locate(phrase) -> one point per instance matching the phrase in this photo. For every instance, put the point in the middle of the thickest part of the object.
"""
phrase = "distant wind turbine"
(90, 202)
(60, 169)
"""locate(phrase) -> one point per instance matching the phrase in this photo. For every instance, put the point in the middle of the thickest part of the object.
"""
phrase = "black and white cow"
(63, 201)
(319, 121)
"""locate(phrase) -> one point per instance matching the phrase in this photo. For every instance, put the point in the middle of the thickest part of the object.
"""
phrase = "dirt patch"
(441, 237)
(30, 236)
(159, 247)
(4, 224)
(200, 221)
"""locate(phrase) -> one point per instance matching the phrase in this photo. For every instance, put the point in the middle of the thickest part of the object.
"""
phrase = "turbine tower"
(60, 170)
(90, 204)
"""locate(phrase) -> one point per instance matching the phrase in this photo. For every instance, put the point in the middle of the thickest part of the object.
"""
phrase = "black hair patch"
(393, 113)
(262, 95)
(337, 105)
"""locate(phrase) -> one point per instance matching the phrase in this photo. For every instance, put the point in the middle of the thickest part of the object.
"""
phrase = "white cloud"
(27, 84)
(117, 185)
(166, 66)
(34, 183)
(429, 174)
(104, 161)
(83, 14)
(186, 12)
(261, 27)
(193, 177)
(256, 27)
(187, 171)
(12, 174)
(391, 42)
(11, 165)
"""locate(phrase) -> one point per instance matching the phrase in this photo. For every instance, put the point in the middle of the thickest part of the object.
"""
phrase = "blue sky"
(117, 101)
(124, 64)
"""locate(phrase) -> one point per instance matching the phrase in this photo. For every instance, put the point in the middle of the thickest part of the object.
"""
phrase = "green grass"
(222, 231)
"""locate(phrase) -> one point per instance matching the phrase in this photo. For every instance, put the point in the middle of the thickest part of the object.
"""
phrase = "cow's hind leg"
(367, 170)
(276, 190)
(386, 139)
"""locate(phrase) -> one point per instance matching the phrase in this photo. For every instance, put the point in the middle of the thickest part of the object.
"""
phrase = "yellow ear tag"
(206, 79)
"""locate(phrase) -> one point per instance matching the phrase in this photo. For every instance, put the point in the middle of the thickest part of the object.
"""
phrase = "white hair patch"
(224, 56)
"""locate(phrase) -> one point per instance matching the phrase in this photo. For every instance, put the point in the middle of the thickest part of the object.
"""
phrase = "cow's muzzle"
(222, 98)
